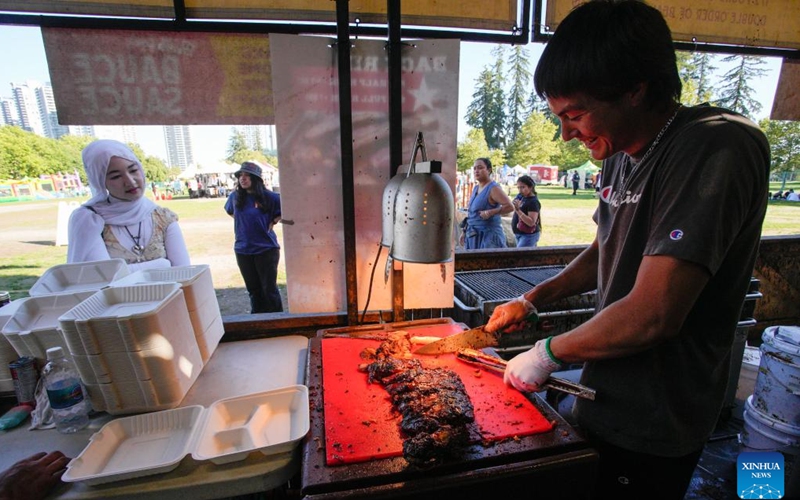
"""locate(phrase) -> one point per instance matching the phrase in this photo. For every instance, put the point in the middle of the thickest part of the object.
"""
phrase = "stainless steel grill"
(477, 293)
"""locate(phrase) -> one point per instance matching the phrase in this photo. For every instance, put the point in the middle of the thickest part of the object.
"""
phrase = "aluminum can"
(25, 376)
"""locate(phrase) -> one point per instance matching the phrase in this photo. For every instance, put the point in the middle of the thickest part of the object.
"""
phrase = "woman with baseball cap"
(255, 211)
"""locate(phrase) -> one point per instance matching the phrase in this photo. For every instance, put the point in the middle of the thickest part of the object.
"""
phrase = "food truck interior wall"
(775, 251)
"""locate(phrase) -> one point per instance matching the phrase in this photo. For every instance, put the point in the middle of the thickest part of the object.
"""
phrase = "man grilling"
(681, 203)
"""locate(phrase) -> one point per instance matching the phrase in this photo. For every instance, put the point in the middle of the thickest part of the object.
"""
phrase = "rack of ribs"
(433, 403)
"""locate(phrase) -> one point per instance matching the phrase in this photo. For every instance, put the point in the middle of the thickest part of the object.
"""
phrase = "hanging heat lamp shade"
(423, 218)
(387, 206)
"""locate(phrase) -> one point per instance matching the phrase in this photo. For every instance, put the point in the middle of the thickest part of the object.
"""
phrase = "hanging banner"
(786, 105)
(309, 151)
(758, 23)
(499, 15)
(488, 14)
(137, 8)
(121, 77)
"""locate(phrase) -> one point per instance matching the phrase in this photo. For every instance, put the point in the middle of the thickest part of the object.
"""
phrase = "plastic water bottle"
(65, 392)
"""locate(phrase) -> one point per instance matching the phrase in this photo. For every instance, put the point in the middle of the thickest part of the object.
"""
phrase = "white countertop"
(235, 369)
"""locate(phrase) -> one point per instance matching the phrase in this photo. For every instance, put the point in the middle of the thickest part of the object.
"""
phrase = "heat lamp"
(418, 212)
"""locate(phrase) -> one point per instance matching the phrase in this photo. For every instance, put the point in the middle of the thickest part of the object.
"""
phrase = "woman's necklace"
(647, 153)
(138, 249)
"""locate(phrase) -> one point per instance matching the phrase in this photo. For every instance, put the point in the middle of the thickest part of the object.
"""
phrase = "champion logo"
(605, 193)
(676, 234)
(616, 199)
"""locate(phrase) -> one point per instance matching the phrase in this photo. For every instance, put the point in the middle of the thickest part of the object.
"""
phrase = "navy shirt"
(251, 225)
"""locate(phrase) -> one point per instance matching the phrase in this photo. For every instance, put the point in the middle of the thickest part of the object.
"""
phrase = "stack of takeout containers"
(201, 300)
(30, 325)
(34, 328)
(134, 347)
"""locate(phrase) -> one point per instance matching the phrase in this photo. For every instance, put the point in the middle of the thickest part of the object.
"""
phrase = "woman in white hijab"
(118, 221)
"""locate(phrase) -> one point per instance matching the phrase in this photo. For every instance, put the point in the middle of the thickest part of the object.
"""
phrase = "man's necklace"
(647, 153)
(138, 249)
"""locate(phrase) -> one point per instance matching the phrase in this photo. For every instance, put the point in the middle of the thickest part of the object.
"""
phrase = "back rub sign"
(122, 77)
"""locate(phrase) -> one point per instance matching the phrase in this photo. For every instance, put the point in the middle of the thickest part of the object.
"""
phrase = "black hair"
(604, 48)
(487, 161)
(528, 181)
(259, 193)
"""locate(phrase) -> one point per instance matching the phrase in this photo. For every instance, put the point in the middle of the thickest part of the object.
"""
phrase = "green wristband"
(550, 353)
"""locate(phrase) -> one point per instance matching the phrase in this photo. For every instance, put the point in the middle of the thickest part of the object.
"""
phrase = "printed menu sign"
(121, 77)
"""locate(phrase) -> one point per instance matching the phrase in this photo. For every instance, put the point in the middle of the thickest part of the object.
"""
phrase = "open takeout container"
(229, 430)
(79, 277)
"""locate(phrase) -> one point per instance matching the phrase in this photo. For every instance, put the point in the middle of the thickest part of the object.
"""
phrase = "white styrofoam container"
(270, 422)
(163, 363)
(135, 446)
(209, 340)
(138, 396)
(79, 277)
(134, 347)
(201, 299)
(194, 280)
(130, 318)
(34, 327)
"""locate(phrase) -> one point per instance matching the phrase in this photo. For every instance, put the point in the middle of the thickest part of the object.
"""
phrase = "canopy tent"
(520, 170)
(585, 171)
(217, 167)
(188, 173)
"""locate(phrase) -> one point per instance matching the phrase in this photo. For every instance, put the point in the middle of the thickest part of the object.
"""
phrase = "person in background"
(119, 221)
(526, 211)
(255, 210)
(576, 180)
(792, 196)
(488, 202)
(33, 477)
(677, 237)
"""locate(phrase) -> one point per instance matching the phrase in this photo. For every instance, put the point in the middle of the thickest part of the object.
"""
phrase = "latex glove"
(527, 372)
(511, 314)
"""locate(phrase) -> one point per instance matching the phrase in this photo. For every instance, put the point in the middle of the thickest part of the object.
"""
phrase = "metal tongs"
(498, 365)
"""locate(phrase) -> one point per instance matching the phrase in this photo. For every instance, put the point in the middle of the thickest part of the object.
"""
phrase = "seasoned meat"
(428, 447)
(433, 402)
(385, 368)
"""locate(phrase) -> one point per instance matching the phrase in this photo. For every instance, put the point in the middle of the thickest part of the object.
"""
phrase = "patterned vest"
(155, 249)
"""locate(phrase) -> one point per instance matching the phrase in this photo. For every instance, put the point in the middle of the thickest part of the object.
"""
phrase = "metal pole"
(395, 48)
(346, 126)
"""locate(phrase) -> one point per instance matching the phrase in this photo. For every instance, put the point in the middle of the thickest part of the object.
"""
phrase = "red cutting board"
(360, 424)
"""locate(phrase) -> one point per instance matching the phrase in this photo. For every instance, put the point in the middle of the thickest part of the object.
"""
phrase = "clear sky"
(22, 58)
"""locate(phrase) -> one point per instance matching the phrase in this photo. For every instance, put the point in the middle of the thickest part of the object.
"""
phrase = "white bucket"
(777, 389)
(762, 433)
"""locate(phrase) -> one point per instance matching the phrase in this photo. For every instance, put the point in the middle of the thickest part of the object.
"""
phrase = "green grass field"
(29, 233)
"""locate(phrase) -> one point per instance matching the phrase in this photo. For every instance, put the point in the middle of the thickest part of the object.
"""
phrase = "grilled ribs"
(433, 402)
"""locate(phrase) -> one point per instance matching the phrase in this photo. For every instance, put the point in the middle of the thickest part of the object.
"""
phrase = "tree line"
(25, 154)
(511, 125)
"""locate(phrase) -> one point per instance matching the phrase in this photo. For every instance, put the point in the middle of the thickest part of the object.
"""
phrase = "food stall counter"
(235, 369)
(550, 459)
